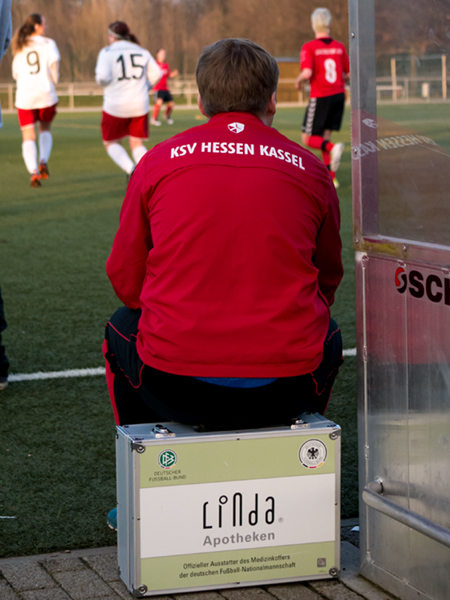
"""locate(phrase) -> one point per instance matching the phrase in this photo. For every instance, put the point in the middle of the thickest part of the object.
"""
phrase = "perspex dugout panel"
(401, 181)
(216, 510)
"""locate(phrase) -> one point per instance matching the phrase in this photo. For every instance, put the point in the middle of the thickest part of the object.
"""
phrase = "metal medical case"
(209, 510)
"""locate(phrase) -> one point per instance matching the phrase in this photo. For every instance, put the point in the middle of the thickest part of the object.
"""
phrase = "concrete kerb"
(92, 573)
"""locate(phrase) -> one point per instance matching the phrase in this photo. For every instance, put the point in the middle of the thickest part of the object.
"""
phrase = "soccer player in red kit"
(161, 89)
(324, 63)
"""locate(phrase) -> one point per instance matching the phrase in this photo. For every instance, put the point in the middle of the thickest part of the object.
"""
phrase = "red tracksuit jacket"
(229, 243)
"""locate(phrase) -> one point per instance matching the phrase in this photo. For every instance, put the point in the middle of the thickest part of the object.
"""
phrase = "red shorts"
(116, 128)
(29, 117)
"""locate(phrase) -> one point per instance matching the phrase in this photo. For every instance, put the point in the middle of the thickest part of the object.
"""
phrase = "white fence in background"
(389, 88)
(182, 88)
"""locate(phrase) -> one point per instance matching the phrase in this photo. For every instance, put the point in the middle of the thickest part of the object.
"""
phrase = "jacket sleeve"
(327, 257)
(5, 26)
(127, 263)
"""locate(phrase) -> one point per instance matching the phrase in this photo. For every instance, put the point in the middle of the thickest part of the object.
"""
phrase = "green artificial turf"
(57, 436)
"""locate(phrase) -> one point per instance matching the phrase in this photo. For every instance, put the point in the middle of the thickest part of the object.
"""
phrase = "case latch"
(137, 446)
(299, 424)
(161, 431)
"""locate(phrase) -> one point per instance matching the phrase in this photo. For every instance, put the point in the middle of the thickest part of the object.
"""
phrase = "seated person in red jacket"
(227, 258)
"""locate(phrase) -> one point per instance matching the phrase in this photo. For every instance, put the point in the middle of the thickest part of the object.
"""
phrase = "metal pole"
(444, 76)
(189, 95)
(71, 99)
(364, 105)
(10, 96)
(372, 497)
(394, 79)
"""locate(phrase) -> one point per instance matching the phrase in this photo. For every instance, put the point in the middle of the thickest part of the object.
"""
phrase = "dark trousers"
(4, 364)
(142, 394)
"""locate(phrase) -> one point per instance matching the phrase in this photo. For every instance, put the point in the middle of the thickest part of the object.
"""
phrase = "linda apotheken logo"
(237, 510)
(233, 513)
(167, 459)
(236, 127)
(434, 288)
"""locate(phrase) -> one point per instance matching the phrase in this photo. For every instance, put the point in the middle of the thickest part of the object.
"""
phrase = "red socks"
(316, 142)
(319, 143)
(156, 112)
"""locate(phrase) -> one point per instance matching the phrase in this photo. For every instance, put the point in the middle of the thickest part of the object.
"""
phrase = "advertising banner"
(223, 512)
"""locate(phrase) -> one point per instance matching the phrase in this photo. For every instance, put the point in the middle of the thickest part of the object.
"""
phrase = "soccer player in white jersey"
(36, 69)
(125, 70)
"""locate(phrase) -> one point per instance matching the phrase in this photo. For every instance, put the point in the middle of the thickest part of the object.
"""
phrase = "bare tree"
(182, 27)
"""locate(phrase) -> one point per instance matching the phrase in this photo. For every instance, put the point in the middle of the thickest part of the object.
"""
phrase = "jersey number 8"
(33, 61)
(330, 70)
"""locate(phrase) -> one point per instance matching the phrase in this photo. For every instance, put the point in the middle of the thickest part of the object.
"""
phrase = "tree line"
(185, 27)
(182, 27)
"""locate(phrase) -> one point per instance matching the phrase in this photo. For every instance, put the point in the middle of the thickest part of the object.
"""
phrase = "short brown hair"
(236, 75)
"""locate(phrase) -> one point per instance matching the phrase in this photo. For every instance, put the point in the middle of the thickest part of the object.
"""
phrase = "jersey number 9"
(33, 61)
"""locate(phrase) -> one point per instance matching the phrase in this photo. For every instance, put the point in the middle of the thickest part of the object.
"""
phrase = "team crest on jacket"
(236, 127)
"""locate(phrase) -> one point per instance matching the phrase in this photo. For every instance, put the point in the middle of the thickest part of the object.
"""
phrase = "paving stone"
(113, 597)
(106, 566)
(27, 576)
(48, 594)
(293, 591)
(83, 584)
(121, 589)
(84, 574)
(6, 591)
(63, 565)
(350, 561)
(367, 589)
(334, 590)
(249, 593)
(123, 592)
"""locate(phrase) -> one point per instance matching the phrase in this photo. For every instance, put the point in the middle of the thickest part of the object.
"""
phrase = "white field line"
(349, 352)
(56, 374)
(87, 372)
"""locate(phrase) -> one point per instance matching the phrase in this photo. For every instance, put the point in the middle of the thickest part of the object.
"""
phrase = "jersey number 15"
(133, 66)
